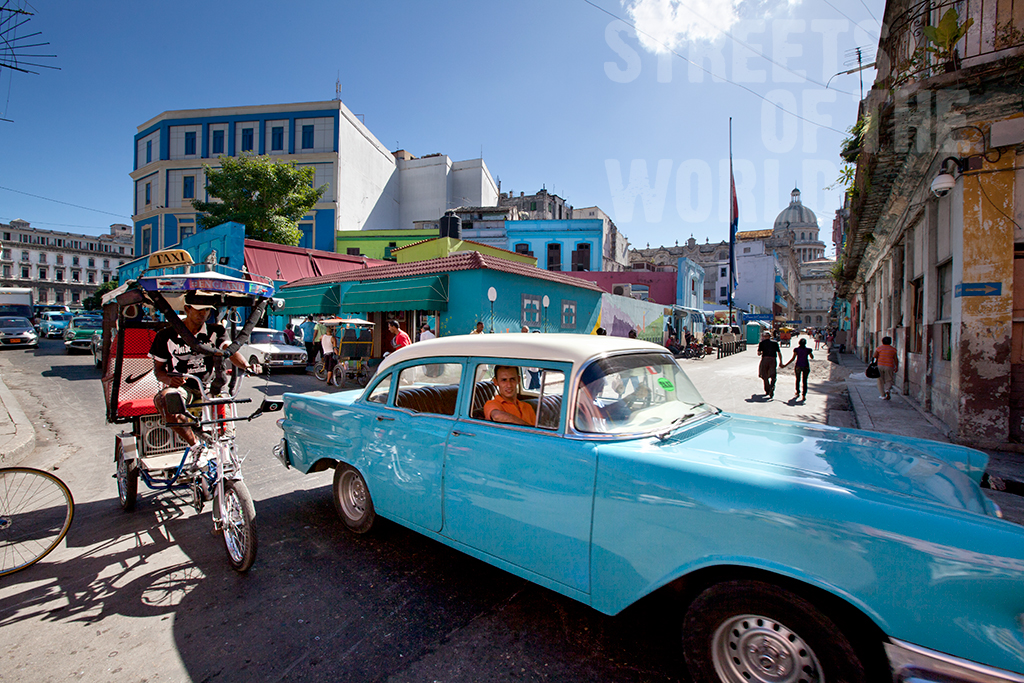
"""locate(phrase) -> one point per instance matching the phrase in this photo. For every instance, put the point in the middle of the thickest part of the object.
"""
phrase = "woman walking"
(802, 355)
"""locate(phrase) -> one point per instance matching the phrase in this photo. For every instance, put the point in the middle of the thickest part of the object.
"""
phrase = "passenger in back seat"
(506, 406)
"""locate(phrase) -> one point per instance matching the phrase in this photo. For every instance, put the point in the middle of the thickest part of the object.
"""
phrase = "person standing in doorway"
(888, 363)
(307, 327)
(771, 359)
(425, 332)
(802, 355)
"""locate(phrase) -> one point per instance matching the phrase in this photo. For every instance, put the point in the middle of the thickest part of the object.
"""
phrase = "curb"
(24, 440)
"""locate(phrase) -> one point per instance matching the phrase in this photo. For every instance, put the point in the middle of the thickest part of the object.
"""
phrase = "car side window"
(379, 394)
(429, 388)
(541, 388)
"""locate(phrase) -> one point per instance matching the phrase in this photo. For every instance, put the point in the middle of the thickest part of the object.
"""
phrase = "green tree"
(267, 197)
(94, 301)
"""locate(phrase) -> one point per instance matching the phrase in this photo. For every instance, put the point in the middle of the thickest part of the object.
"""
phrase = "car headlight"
(302, 357)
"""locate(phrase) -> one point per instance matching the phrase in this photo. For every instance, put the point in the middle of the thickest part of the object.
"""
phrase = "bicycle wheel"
(127, 479)
(36, 509)
(239, 525)
(320, 371)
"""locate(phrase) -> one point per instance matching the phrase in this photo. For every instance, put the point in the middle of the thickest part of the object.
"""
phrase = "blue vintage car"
(794, 552)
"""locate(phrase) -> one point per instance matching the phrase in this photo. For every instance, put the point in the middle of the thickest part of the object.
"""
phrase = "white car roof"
(571, 348)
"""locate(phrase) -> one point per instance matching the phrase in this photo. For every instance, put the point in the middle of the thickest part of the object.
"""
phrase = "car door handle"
(456, 432)
(381, 418)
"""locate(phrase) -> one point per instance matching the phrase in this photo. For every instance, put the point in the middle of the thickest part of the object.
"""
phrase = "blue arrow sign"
(978, 289)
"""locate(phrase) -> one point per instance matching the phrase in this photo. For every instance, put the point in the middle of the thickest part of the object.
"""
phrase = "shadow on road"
(323, 604)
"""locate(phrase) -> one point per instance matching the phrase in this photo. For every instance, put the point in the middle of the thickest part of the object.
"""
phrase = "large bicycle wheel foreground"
(36, 509)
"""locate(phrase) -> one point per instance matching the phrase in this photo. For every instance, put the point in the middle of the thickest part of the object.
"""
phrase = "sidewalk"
(902, 415)
(17, 435)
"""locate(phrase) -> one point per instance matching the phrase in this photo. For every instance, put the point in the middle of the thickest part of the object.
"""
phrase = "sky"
(622, 104)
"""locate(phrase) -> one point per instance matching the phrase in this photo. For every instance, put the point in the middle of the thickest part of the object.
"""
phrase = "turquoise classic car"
(792, 551)
(80, 331)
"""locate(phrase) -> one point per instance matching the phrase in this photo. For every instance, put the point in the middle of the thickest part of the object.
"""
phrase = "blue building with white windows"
(369, 187)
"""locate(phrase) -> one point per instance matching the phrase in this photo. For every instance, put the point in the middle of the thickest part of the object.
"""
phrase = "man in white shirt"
(425, 332)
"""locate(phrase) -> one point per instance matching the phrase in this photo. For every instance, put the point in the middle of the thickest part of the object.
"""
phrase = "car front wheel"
(743, 631)
(352, 499)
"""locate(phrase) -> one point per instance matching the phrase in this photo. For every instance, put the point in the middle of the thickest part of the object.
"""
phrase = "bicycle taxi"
(353, 339)
(150, 450)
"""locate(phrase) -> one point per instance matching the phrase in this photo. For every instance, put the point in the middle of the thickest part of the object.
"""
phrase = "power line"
(848, 16)
(57, 201)
(738, 85)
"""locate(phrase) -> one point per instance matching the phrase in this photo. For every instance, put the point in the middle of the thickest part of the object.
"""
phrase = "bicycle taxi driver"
(173, 358)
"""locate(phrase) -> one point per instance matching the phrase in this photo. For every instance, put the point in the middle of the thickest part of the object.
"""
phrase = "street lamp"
(492, 296)
(547, 302)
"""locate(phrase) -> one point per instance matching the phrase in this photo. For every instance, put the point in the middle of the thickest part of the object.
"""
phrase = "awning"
(406, 294)
(322, 299)
(278, 265)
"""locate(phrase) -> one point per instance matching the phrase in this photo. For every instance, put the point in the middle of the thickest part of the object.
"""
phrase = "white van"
(723, 333)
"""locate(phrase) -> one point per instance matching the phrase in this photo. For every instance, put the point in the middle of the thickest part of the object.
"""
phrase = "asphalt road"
(149, 595)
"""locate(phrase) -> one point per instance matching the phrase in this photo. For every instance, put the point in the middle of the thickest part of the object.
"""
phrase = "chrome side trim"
(911, 663)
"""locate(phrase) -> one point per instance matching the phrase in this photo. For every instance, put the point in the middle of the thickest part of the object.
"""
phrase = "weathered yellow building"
(935, 237)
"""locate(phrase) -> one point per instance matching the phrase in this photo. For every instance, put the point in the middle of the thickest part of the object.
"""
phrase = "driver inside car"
(603, 399)
(173, 358)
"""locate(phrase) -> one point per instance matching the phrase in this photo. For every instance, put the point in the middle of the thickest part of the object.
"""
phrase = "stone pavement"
(17, 435)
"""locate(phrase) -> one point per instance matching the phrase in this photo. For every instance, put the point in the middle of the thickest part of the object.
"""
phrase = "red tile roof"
(282, 262)
(463, 260)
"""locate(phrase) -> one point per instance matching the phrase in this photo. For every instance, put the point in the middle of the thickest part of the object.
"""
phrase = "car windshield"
(88, 323)
(268, 338)
(635, 393)
(15, 323)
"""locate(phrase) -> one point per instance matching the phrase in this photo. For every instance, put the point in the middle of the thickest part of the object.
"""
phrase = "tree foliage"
(268, 197)
(94, 301)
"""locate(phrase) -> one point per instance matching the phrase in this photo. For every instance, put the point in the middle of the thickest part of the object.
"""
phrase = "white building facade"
(368, 186)
(61, 267)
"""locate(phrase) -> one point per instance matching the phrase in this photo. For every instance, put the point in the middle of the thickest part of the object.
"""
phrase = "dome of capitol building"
(804, 225)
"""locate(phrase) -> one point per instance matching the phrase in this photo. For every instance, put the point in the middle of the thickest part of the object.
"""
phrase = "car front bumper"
(22, 340)
(914, 664)
(295, 361)
(80, 344)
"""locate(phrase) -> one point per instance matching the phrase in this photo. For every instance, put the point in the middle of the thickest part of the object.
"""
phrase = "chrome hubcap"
(755, 648)
(354, 496)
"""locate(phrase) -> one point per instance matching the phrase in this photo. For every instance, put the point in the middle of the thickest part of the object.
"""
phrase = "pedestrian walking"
(771, 359)
(426, 333)
(399, 339)
(802, 355)
(888, 363)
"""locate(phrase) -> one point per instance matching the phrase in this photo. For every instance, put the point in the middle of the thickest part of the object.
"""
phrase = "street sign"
(794, 322)
(754, 317)
(978, 289)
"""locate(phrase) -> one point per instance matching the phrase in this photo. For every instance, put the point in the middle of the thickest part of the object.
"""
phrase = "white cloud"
(665, 25)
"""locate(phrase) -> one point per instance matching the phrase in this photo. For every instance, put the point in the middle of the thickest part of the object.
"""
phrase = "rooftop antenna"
(337, 88)
(13, 46)
(856, 56)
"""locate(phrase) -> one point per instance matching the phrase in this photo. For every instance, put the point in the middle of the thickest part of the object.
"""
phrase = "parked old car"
(80, 331)
(271, 349)
(793, 551)
(53, 324)
(17, 331)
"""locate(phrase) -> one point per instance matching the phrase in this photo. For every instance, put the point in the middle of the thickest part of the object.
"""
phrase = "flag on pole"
(734, 220)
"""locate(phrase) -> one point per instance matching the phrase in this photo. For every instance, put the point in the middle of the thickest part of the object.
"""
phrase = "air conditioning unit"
(625, 289)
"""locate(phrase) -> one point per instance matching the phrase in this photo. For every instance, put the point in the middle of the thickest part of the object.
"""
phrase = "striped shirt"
(886, 356)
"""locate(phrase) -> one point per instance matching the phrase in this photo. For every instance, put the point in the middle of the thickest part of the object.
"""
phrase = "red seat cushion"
(136, 407)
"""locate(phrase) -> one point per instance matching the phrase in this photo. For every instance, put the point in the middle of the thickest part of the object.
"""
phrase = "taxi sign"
(170, 258)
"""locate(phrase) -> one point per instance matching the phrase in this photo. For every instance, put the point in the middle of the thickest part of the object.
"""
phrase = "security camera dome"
(943, 183)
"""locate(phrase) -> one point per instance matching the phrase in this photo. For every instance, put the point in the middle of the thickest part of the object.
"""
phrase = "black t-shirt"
(769, 349)
(168, 346)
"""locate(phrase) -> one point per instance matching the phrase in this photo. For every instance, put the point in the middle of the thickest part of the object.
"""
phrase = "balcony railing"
(903, 55)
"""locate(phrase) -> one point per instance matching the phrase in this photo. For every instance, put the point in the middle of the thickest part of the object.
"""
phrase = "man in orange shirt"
(888, 364)
(506, 406)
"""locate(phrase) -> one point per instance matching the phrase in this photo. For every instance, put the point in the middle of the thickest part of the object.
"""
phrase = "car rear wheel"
(352, 499)
(744, 631)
